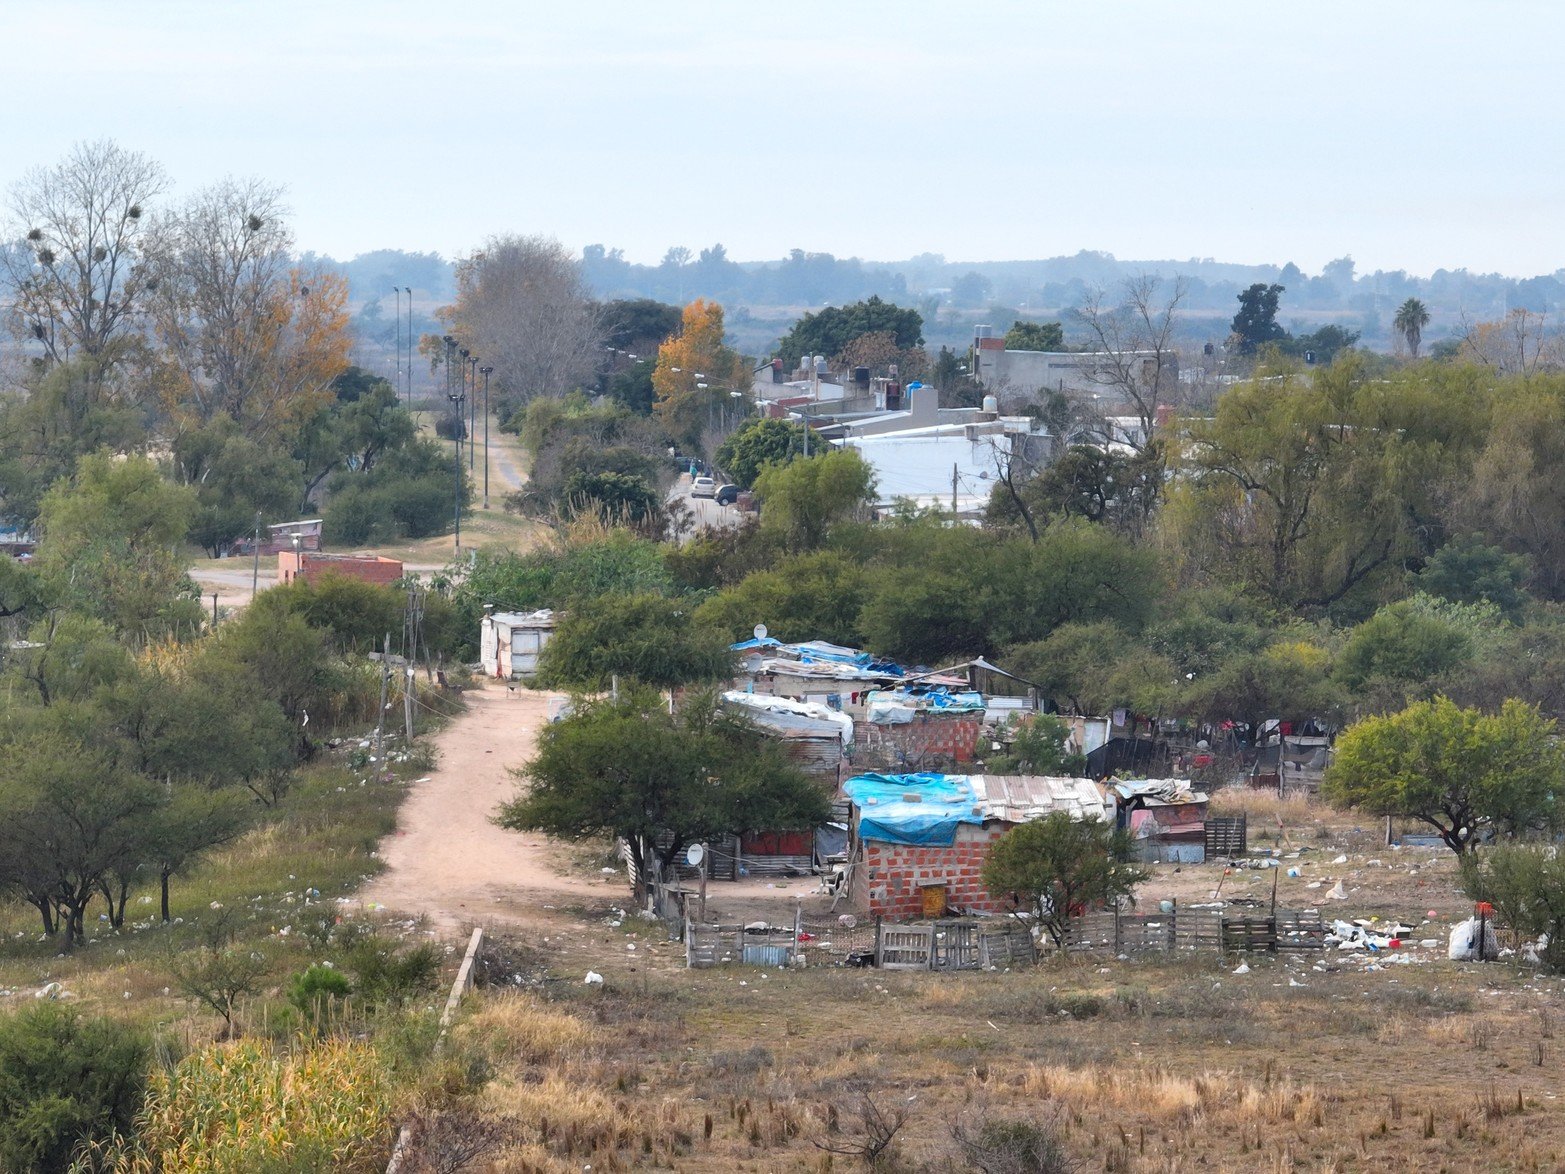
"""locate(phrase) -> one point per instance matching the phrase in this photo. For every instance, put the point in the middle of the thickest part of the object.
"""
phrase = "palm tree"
(1410, 322)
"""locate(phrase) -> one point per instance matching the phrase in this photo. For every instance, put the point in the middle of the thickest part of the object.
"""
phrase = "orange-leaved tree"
(695, 375)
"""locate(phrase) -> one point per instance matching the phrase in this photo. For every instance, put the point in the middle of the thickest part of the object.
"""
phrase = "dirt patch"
(448, 862)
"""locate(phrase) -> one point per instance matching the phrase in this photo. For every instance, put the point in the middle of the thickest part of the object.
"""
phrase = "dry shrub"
(244, 1106)
(1158, 1092)
(520, 1028)
(1264, 808)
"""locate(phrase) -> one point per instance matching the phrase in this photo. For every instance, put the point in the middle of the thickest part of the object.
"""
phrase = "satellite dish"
(694, 855)
(760, 631)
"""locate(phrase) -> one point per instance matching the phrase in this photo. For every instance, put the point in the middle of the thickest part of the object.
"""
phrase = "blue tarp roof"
(888, 810)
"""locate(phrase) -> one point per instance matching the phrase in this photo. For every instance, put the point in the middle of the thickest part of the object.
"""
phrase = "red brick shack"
(310, 565)
(919, 841)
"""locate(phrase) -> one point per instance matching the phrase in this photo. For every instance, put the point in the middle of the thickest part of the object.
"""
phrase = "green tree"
(1411, 318)
(1289, 680)
(1076, 664)
(1461, 771)
(646, 638)
(800, 502)
(632, 388)
(1119, 490)
(616, 498)
(1526, 885)
(1404, 645)
(111, 538)
(829, 331)
(626, 767)
(813, 596)
(408, 494)
(234, 478)
(1039, 747)
(1035, 336)
(70, 817)
(1467, 570)
(1255, 324)
(1056, 866)
(758, 443)
(65, 1079)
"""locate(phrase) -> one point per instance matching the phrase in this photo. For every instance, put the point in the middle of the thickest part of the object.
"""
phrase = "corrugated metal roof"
(1020, 798)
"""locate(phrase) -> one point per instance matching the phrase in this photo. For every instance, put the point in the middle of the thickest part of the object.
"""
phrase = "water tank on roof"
(983, 332)
(820, 364)
(861, 376)
(991, 405)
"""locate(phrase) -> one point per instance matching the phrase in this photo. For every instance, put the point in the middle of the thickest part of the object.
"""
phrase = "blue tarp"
(747, 645)
(886, 812)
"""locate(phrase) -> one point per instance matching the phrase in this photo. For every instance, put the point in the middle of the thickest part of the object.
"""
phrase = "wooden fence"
(1226, 836)
(1196, 929)
(939, 945)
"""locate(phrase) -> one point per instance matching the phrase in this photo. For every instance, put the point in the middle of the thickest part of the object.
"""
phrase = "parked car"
(703, 487)
(727, 494)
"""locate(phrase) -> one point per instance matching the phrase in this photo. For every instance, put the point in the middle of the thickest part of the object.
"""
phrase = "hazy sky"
(1414, 136)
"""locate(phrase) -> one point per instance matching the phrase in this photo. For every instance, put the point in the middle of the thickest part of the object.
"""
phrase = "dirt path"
(446, 860)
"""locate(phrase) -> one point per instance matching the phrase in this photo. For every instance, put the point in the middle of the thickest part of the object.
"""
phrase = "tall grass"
(243, 1107)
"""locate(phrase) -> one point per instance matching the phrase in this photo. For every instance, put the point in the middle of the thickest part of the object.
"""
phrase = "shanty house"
(510, 642)
(919, 841)
(1165, 817)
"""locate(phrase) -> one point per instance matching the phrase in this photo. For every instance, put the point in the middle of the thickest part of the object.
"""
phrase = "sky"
(1411, 136)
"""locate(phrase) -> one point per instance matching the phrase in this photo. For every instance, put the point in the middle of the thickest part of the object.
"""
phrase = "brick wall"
(893, 873)
(928, 742)
(369, 570)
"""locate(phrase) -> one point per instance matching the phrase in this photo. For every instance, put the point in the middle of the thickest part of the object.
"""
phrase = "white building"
(935, 465)
(509, 643)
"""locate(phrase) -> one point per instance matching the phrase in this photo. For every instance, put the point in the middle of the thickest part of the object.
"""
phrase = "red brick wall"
(894, 872)
(927, 740)
(369, 570)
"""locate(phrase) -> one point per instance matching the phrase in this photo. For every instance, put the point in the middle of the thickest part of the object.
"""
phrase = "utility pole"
(380, 718)
(410, 348)
(953, 491)
(255, 574)
(397, 314)
(486, 372)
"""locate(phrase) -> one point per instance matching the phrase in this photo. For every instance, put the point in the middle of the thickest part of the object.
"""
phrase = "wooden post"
(880, 947)
(798, 917)
(409, 683)
(380, 716)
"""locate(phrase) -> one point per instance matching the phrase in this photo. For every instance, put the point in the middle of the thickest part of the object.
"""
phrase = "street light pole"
(486, 371)
(472, 408)
(456, 487)
(410, 348)
(397, 314)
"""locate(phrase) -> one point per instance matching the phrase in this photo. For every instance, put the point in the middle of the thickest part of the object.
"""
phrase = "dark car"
(727, 494)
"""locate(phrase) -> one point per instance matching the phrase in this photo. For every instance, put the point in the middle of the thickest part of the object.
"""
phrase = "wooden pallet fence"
(1226, 836)
(1248, 935)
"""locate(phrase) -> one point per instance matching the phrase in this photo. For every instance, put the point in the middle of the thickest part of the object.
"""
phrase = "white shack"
(510, 642)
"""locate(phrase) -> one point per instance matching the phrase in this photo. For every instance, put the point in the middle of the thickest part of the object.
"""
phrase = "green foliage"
(389, 973)
(1402, 645)
(813, 596)
(1466, 570)
(235, 480)
(1075, 665)
(314, 990)
(353, 615)
(1116, 489)
(1256, 322)
(647, 638)
(409, 493)
(583, 564)
(614, 497)
(1526, 885)
(1459, 770)
(632, 388)
(628, 768)
(758, 443)
(827, 332)
(65, 1080)
(1290, 680)
(1322, 346)
(1039, 746)
(802, 501)
(1056, 866)
(110, 545)
(1035, 336)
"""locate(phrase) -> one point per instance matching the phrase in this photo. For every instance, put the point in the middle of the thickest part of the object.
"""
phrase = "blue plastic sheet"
(913, 808)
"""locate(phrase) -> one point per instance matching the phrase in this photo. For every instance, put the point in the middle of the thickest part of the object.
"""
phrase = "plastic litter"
(1464, 945)
(593, 978)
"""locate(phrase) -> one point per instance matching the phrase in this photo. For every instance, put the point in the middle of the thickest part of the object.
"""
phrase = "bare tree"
(523, 305)
(1521, 343)
(250, 336)
(1135, 338)
(76, 278)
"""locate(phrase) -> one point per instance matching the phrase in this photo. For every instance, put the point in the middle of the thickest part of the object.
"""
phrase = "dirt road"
(447, 861)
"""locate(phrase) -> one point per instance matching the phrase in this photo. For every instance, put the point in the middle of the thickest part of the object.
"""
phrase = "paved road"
(707, 513)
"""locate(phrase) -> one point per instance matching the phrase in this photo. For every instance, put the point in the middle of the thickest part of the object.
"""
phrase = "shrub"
(64, 1080)
(1011, 1147)
(313, 990)
(241, 1106)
